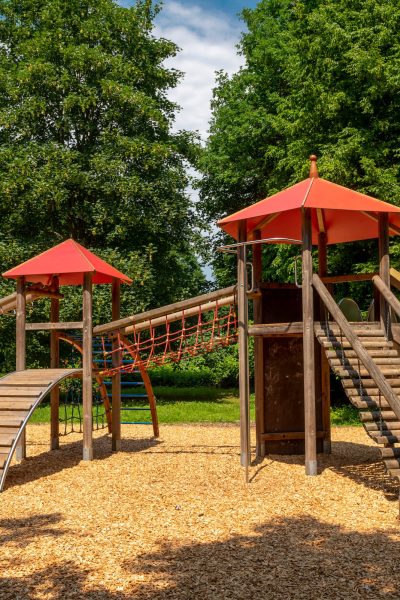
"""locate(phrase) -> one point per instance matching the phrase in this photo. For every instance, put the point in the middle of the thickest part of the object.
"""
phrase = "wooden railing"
(354, 341)
(387, 294)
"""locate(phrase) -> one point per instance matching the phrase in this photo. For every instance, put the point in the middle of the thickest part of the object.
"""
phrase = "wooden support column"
(20, 362)
(258, 350)
(87, 368)
(116, 378)
(325, 369)
(308, 347)
(384, 271)
(243, 353)
(54, 364)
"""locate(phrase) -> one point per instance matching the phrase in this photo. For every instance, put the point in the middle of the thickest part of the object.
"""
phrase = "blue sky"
(207, 31)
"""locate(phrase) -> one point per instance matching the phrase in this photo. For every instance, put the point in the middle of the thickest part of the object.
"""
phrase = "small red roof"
(69, 261)
(345, 215)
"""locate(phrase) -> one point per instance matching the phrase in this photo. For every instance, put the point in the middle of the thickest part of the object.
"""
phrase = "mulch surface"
(173, 519)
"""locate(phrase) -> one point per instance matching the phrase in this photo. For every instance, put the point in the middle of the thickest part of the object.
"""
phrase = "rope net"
(148, 345)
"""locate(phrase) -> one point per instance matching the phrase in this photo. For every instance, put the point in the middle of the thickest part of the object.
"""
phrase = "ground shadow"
(295, 558)
(68, 456)
(358, 462)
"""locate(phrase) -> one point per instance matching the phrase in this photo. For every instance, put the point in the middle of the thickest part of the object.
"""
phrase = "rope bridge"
(170, 334)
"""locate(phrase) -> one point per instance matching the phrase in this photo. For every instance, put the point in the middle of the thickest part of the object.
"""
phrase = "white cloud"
(208, 43)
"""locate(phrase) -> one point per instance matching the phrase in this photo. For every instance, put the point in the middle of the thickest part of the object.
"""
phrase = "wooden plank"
(87, 368)
(164, 310)
(244, 391)
(290, 435)
(20, 343)
(116, 362)
(395, 278)
(384, 270)
(20, 392)
(54, 364)
(259, 387)
(346, 278)
(275, 329)
(3, 458)
(54, 326)
(6, 439)
(308, 347)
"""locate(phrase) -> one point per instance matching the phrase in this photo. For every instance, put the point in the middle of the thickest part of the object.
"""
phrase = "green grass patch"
(195, 405)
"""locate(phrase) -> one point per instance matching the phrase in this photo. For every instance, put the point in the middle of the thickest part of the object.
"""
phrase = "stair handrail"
(355, 342)
(387, 294)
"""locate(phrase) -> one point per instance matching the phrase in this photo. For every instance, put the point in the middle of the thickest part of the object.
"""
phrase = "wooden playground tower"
(292, 372)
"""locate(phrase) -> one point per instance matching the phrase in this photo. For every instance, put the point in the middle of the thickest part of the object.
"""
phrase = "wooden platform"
(20, 393)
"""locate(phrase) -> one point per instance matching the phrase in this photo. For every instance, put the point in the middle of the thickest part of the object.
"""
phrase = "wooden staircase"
(20, 393)
(380, 422)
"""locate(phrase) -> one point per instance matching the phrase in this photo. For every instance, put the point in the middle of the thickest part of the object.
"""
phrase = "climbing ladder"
(135, 379)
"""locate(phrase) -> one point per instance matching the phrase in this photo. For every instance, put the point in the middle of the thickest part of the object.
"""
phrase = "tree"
(86, 148)
(320, 76)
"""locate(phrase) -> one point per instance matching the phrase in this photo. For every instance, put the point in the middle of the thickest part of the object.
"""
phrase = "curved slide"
(20, 393)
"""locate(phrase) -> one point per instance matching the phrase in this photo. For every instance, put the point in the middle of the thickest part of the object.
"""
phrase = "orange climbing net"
(169, 341)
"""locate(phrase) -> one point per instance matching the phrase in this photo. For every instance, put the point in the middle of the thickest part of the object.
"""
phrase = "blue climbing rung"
(136, 423)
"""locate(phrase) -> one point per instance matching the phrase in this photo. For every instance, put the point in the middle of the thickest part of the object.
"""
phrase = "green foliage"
(319, 76)
(86, 150)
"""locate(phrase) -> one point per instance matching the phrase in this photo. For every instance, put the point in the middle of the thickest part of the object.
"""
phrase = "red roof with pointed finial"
(68, 261)
(344, 215)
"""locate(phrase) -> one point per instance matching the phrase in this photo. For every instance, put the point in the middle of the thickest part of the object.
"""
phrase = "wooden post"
(54, 364)
(116, 378)
(325, 369)
(20, 361)
(308, 347)
(243, 353)
(258, 350)
(87, 368)
(384, 271)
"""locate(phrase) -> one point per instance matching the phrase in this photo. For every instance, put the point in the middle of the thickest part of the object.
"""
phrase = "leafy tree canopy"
(320, 76)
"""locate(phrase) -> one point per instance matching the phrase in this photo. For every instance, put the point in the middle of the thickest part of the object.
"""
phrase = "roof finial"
(313, 166)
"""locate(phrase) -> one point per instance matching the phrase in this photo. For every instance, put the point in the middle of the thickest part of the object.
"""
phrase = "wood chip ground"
(173, 519)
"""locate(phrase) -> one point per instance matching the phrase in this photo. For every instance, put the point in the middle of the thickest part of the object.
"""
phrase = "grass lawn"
(195, 405)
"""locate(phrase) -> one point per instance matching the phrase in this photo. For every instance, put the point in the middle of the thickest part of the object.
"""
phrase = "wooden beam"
(321, 221)
(54, 364)
(20, 343)
(325, 368)
(374, 371)
(87, 368)
(374, 217)
(384, 270)
(308, 347)
(259, 387)
(394, 278)
(177, 316)
(290, 435)
(54, 326)
(243, 353)
(263, 223)
(350, 277)
(387, 294)
(116, 362)
(295, 328)
(163, 311)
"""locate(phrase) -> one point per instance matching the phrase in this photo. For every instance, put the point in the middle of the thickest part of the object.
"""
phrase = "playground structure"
(130, 345)
(292, 385)
(292, 372)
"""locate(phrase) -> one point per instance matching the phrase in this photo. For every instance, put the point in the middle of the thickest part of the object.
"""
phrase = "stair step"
(13, 404)
(352, 353)
(6, 439)
(376, 344)
(389, 439)
(385, 433)
(18, 415)
(392, 426)
(379, 360)
(361, 333)
(370, 416)
(367, 383)
(394, 473)
(355, 374)
(391, 463)
(19, 392)
(390, 452)
(8, 429)
(371, 402)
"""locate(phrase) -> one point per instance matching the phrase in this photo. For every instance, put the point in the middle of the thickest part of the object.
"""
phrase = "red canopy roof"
(69, 261)
(345, 215)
